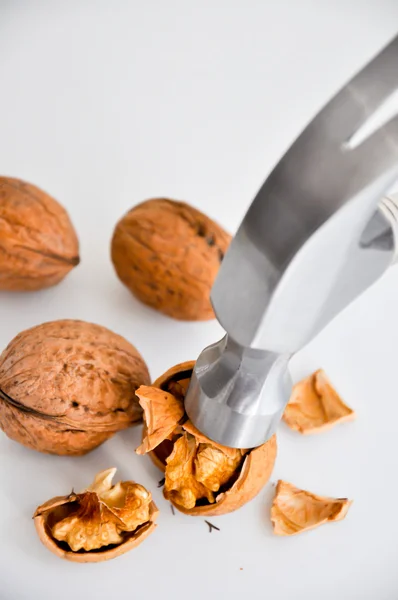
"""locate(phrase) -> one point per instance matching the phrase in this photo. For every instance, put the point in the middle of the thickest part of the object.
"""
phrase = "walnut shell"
(168, 254)
(67, 386)
(38, 244)
(315, 406)
(295, 510)
(97, 517)
(253, 473)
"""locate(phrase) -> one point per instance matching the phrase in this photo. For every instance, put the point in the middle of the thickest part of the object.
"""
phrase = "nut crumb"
(211, 526)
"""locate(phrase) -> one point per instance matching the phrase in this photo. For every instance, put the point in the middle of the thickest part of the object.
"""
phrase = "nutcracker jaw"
(313, 240)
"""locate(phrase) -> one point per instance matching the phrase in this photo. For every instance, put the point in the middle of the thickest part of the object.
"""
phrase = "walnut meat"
(294, 511)
(168, 254)
(100, 523)
(201, 476)
(67, 386)
(38, 244)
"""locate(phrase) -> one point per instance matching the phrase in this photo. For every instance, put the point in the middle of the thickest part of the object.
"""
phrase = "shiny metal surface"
(242, 393)
(312, 240)
(388, 208)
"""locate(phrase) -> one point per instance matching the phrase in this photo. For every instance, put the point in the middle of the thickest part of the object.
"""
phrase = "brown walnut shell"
(295, 510)
(52, 512)
(254, 472)
(67, 386)
(315, 406)
(168, 254)
(38, 244)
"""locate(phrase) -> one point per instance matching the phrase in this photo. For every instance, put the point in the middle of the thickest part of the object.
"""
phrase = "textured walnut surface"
(168, 254)
(66, 386)
(38, 244)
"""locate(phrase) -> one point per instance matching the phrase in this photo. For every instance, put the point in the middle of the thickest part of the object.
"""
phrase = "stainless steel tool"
(313, 239)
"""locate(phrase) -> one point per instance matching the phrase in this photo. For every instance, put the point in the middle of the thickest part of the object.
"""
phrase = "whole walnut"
(168, 254)
(202, 478)
(38, 244)
(67, 386)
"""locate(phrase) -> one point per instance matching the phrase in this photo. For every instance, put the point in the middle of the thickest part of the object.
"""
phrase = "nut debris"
(315, 405)
(211, 526)
(294, 510)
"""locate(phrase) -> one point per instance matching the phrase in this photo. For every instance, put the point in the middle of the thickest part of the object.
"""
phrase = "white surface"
(104, 104)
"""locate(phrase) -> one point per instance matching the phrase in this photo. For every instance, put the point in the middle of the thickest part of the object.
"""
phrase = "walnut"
(294, 510)
(201, 476)
(168, 254)
(315, 405)
(67, 386)
(100, 523)
(38, 244)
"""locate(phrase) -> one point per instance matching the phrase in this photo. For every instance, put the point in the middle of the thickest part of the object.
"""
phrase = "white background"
(104, 104)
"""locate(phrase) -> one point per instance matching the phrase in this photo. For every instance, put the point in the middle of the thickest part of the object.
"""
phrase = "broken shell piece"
(99, 523)
(201, 476)
(315, 405)
(163, 411)
(295, 510)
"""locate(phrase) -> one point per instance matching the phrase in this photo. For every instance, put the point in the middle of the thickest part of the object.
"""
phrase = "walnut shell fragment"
(315, 405)
(38, 244)
(168, 254)
(100, 523)
(294, 510)
(67, 386)
(201, 477)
